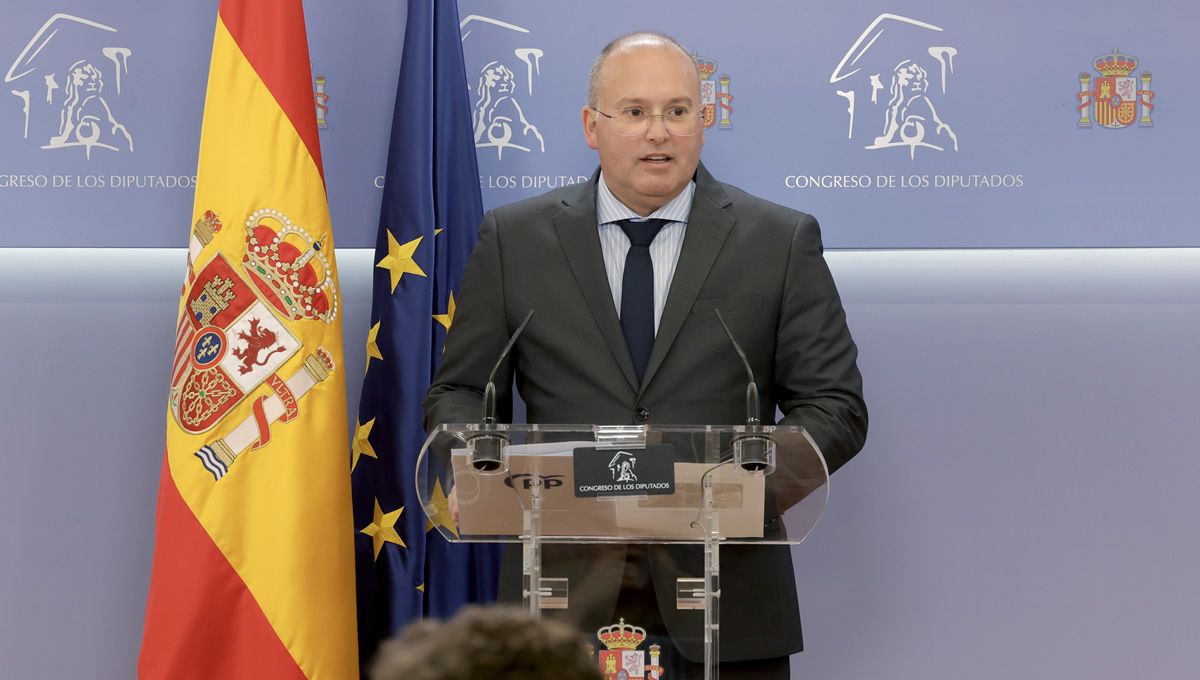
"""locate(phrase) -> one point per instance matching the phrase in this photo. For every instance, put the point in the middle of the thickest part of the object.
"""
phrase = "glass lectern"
(596, 485)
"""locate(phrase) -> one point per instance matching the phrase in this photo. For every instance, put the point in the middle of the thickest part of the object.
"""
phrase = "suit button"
(642, 414)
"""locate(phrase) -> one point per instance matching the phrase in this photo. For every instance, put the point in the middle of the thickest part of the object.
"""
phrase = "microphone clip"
(488, 448)
(754, 450)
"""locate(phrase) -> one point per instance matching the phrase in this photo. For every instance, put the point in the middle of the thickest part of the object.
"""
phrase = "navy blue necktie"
(637, 291)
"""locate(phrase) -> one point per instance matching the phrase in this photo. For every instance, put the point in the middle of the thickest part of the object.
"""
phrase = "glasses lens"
(687, 125)
(632, 126)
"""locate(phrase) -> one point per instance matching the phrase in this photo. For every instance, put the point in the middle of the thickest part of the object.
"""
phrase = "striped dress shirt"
(664, 251)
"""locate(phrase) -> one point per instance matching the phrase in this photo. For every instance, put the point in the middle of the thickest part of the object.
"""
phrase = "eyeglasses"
(634, 121)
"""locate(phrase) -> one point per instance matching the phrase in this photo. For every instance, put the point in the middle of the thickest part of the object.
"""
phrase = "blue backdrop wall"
(923, 124)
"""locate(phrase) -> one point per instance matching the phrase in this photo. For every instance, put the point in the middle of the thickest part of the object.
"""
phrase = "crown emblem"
(1116, 64)
(289, 267)
(621, 635)
(705, 65)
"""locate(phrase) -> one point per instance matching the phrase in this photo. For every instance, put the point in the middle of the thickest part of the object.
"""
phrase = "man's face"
(645, 171)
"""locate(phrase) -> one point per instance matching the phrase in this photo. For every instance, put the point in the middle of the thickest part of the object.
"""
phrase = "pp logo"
(528, 481)
(68, 79)
(900, 55)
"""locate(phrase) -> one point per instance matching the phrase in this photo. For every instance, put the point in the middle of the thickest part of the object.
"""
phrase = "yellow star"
(442, 517)
(361, 446)
(383, 528)
(447, 318)
(372, 346)
(421, 587)
(438, 231)
(399, 260)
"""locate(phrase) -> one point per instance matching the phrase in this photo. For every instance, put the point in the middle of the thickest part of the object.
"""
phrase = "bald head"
(650, 77)
(632, 41)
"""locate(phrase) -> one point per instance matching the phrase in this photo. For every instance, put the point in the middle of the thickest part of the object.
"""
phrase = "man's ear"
(589, 117)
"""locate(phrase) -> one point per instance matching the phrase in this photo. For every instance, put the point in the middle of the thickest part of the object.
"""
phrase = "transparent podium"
(659, 485)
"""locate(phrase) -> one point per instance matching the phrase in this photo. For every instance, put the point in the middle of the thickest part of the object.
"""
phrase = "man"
(618, 340)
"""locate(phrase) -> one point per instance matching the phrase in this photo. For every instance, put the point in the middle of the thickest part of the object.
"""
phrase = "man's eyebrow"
(638, 101)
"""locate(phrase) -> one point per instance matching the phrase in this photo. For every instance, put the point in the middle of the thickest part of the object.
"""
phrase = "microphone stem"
(489, 392)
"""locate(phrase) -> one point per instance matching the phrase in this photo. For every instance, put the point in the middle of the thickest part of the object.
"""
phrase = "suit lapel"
(580, 240)
(708, 226)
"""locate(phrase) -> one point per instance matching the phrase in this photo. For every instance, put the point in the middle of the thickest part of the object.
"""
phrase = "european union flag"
(427, 227)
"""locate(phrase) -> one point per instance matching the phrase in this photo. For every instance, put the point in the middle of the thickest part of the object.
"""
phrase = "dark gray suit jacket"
(762, 265)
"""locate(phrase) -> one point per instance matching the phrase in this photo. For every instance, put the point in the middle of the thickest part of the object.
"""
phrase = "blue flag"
(428, 224)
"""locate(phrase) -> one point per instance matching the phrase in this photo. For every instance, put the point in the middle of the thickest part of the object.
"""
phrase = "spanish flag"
(253, 573)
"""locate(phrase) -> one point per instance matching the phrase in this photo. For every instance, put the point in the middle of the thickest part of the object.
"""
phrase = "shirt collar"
(609, 209)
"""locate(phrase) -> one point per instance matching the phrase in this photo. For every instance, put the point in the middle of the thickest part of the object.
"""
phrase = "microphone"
(753, 449)
(489, 447)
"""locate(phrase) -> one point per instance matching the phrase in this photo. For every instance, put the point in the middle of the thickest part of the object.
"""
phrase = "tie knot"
(642, 232)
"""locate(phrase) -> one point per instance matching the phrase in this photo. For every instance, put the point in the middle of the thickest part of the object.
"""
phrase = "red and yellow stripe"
(253, 575)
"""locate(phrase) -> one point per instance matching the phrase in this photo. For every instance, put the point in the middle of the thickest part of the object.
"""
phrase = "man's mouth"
(657, 158)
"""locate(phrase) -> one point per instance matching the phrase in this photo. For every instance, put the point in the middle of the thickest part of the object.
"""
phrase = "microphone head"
(754, 454)
(489, 453)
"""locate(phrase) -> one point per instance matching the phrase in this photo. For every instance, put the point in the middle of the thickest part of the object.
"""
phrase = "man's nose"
(657, 128)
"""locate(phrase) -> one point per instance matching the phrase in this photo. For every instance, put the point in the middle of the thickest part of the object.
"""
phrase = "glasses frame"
(650, 119)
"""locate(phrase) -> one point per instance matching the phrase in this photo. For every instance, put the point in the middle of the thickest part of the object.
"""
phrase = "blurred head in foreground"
(492, 642)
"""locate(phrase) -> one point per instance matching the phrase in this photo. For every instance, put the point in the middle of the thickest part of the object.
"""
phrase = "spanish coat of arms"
(233, 334)
(1115, 96)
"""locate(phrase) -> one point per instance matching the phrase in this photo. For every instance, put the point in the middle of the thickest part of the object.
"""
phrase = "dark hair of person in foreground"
(491, 642)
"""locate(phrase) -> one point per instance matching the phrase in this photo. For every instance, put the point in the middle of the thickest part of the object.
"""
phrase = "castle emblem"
(233, 335)
(715, 97)
(622, 660)
(1115, 96)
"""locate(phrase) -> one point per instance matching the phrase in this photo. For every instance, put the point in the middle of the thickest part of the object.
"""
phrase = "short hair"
(486, 642)
(635, 39)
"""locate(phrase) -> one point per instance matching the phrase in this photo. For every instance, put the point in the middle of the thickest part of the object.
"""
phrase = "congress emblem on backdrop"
(68, 80)
(714, 94)
(233, 333)
(499, 87)
(1115, 96)
(897, 71)
(622, 660)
